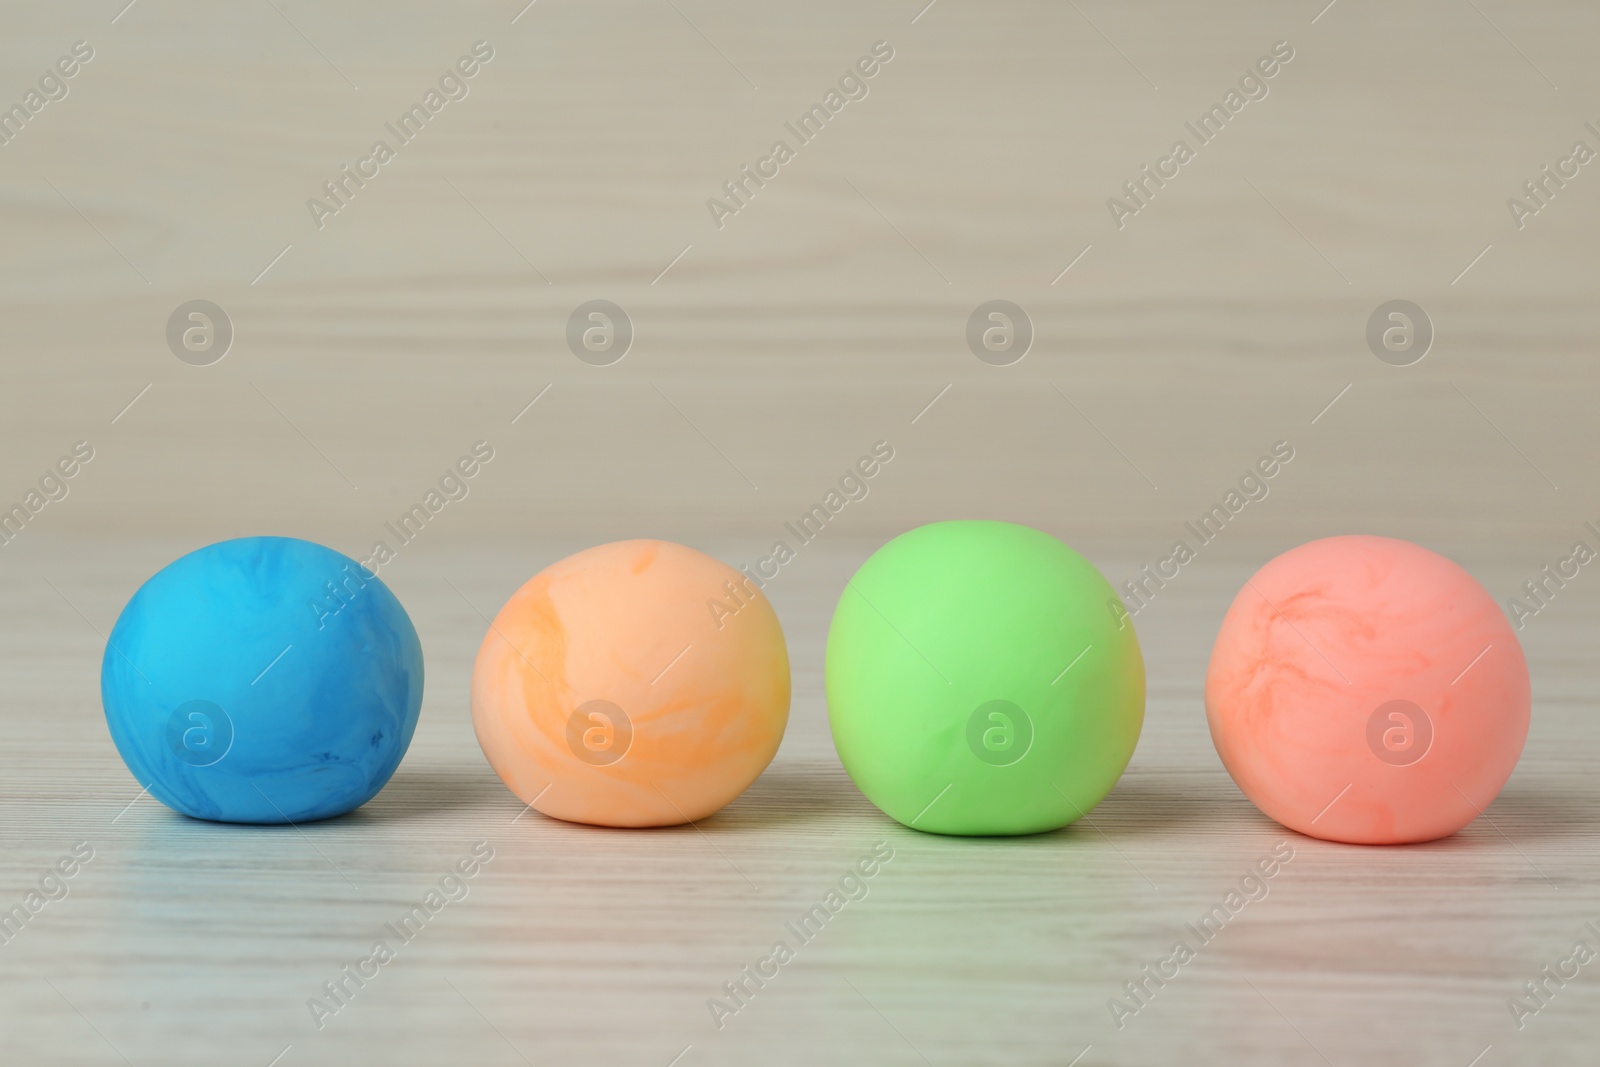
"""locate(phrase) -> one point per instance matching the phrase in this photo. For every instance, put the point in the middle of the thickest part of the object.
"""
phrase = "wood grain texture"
(184, 942)
(828, 314)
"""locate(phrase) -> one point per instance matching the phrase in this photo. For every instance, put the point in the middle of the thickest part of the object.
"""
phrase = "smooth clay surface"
(1367, 690)
(638, 683)
(263, 680)
(978, 682)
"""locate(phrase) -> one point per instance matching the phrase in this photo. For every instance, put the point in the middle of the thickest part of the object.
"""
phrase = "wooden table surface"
(1228, 313)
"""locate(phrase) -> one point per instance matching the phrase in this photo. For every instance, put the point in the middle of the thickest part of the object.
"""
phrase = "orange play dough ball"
(1367, 690)
(639, 683)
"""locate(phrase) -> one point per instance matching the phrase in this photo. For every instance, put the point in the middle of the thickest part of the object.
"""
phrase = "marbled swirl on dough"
(1323, 636)
(706, 692)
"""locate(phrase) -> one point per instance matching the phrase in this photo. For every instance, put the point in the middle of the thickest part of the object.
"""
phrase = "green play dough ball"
(982, 679)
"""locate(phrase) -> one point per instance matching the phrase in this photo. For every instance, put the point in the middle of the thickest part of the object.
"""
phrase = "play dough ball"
(263, 680)
(1367, 690)
(639, 683)
(982, 679)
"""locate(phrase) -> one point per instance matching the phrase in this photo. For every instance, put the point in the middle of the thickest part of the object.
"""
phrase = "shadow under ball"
(981, 680)
(262, 680)
(1366, 690)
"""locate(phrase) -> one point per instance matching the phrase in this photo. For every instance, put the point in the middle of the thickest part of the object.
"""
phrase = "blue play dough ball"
(263, 680)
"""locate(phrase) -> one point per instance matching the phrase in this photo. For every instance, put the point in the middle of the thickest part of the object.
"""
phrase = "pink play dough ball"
(1366, 690)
